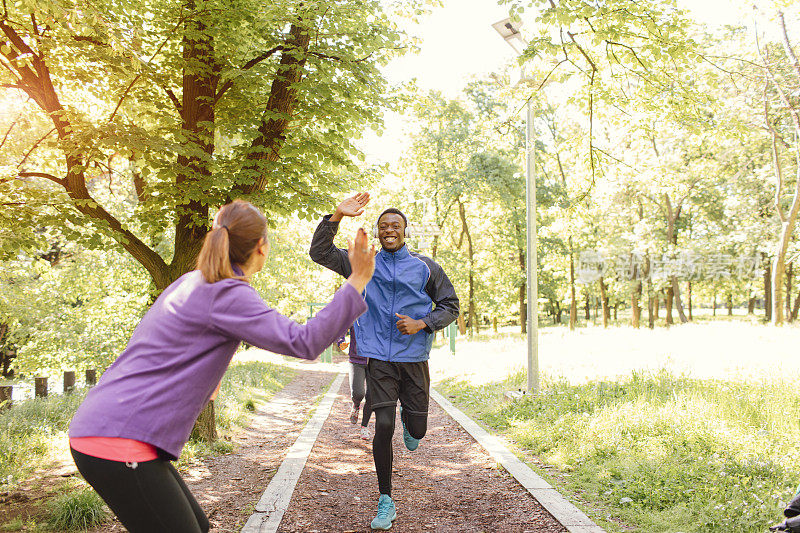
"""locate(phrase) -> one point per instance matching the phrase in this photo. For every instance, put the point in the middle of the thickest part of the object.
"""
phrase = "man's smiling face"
(391, 232)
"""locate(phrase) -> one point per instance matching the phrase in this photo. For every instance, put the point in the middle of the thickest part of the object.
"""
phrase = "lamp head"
(509, 30)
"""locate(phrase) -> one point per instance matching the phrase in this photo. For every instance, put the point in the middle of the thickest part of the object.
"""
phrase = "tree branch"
(247, 66)
(54, 179)
(771, 75)
(788, 46)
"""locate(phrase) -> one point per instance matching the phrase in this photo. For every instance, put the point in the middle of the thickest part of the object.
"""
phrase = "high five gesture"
(351, 207)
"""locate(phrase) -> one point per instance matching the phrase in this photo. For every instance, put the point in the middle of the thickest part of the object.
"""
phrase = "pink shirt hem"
(114, 448)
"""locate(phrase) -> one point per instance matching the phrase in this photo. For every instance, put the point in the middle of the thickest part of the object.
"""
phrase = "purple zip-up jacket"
(178, 353)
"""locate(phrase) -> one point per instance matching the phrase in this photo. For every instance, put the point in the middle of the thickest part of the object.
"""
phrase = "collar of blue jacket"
(402, 253)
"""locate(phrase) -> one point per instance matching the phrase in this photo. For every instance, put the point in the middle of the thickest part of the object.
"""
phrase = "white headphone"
(406, 231)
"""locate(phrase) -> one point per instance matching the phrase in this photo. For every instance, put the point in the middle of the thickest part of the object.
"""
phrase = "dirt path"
(449, 484)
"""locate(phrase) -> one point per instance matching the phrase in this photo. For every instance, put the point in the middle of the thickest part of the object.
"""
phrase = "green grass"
(657, 452)
(13, 525)
(26, 432)
(244, 386)
(76, 511)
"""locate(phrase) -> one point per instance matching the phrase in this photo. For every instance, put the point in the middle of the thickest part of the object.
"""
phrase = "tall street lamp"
(509, 30)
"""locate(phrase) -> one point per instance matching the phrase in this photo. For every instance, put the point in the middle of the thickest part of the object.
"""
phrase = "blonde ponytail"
(236, 232)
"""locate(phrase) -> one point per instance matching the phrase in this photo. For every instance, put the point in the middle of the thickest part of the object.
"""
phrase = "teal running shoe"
(386, 513)
(410, 442)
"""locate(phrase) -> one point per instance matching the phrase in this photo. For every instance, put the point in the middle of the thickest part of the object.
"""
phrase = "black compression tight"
(147, 497)
(382, 451)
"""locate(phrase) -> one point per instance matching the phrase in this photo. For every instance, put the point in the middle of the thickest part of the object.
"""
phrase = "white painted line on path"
(562, 510)
(275, 500)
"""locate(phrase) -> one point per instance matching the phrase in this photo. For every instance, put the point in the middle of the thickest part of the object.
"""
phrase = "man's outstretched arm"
(323, 251)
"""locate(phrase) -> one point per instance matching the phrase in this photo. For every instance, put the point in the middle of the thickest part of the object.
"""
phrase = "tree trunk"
(714, 305)
(676, 290)
(205, 428)
(7, 352)
(668, 304)
(778, 267)
(604, 302)
(689, 298)
(795, 307)
(471, 312)
(636, 311)
(768, 292)
(656, 304)
(573, 304)
(729, 303)
(673, 292)
(751, 305)
(587, 313)
(789, 275)
(199, 88)
(462, 327)
(280, 108)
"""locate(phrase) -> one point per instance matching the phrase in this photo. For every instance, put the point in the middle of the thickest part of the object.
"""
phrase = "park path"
(449, 484)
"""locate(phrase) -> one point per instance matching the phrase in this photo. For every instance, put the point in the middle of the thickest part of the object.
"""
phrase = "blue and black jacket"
(404, 282)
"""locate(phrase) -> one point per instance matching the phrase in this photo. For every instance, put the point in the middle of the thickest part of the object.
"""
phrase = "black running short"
(410, 383)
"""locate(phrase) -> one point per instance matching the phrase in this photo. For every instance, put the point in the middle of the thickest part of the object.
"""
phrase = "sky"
(458, 42)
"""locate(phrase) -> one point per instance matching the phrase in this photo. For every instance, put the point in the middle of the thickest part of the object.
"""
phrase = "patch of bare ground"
(449, 484)
(28, 502)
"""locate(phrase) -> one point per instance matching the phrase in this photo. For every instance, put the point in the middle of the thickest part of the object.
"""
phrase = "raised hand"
(362, 260)
(351, 207)
(407, 325)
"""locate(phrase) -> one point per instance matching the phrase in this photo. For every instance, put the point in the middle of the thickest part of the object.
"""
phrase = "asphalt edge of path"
(272, 505)
(562, 510)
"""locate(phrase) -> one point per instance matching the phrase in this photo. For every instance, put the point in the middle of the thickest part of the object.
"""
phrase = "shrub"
(77, 511)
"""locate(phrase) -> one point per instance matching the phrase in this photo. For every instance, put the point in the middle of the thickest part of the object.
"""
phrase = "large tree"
(189, 102)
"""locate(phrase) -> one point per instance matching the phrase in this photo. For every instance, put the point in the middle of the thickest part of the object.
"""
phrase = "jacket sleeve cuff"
(428, 325)
(327, 221)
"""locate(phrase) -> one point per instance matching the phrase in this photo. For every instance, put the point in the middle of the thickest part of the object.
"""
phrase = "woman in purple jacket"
(139, 416)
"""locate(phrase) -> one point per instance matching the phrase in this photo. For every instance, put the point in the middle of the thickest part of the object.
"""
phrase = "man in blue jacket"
(408, 298)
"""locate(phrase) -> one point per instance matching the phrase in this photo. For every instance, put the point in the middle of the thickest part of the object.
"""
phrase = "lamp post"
(509, 31)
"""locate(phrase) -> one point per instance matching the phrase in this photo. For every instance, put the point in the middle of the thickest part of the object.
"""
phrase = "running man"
(408, 299)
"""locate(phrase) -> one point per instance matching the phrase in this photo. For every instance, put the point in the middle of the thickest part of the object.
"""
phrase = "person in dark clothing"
(792, 514)
(408, 299)
(358, 385)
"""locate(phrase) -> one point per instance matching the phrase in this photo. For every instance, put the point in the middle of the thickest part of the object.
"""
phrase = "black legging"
(147, 497)
(366, 411)
(382, 451)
